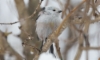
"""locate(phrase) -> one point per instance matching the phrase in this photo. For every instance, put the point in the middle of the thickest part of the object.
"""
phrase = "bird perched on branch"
(47, 22)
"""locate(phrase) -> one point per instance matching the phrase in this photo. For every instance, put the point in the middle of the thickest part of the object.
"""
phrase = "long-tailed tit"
(48, 21)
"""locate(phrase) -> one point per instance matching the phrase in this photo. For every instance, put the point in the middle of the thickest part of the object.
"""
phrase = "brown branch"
(58, 48)
(38, 6)
(66, 7)
(79, 21)
(90, 48)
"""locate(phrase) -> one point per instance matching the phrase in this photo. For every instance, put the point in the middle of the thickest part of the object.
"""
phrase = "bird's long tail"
(52, 49)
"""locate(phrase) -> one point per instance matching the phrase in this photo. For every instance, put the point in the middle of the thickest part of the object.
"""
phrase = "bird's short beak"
(59, 11)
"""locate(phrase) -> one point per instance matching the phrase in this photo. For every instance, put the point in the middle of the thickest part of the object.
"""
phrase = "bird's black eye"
(54, 10)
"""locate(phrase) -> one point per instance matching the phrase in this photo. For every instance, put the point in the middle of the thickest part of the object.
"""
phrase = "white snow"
(47, 56)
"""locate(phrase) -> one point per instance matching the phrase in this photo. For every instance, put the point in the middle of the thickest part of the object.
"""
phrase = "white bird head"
(52, 10)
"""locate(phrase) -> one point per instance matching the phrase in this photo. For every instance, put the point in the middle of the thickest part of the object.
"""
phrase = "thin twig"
(90, 48)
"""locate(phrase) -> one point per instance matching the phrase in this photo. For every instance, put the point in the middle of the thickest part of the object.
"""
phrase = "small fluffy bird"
(47, 22)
